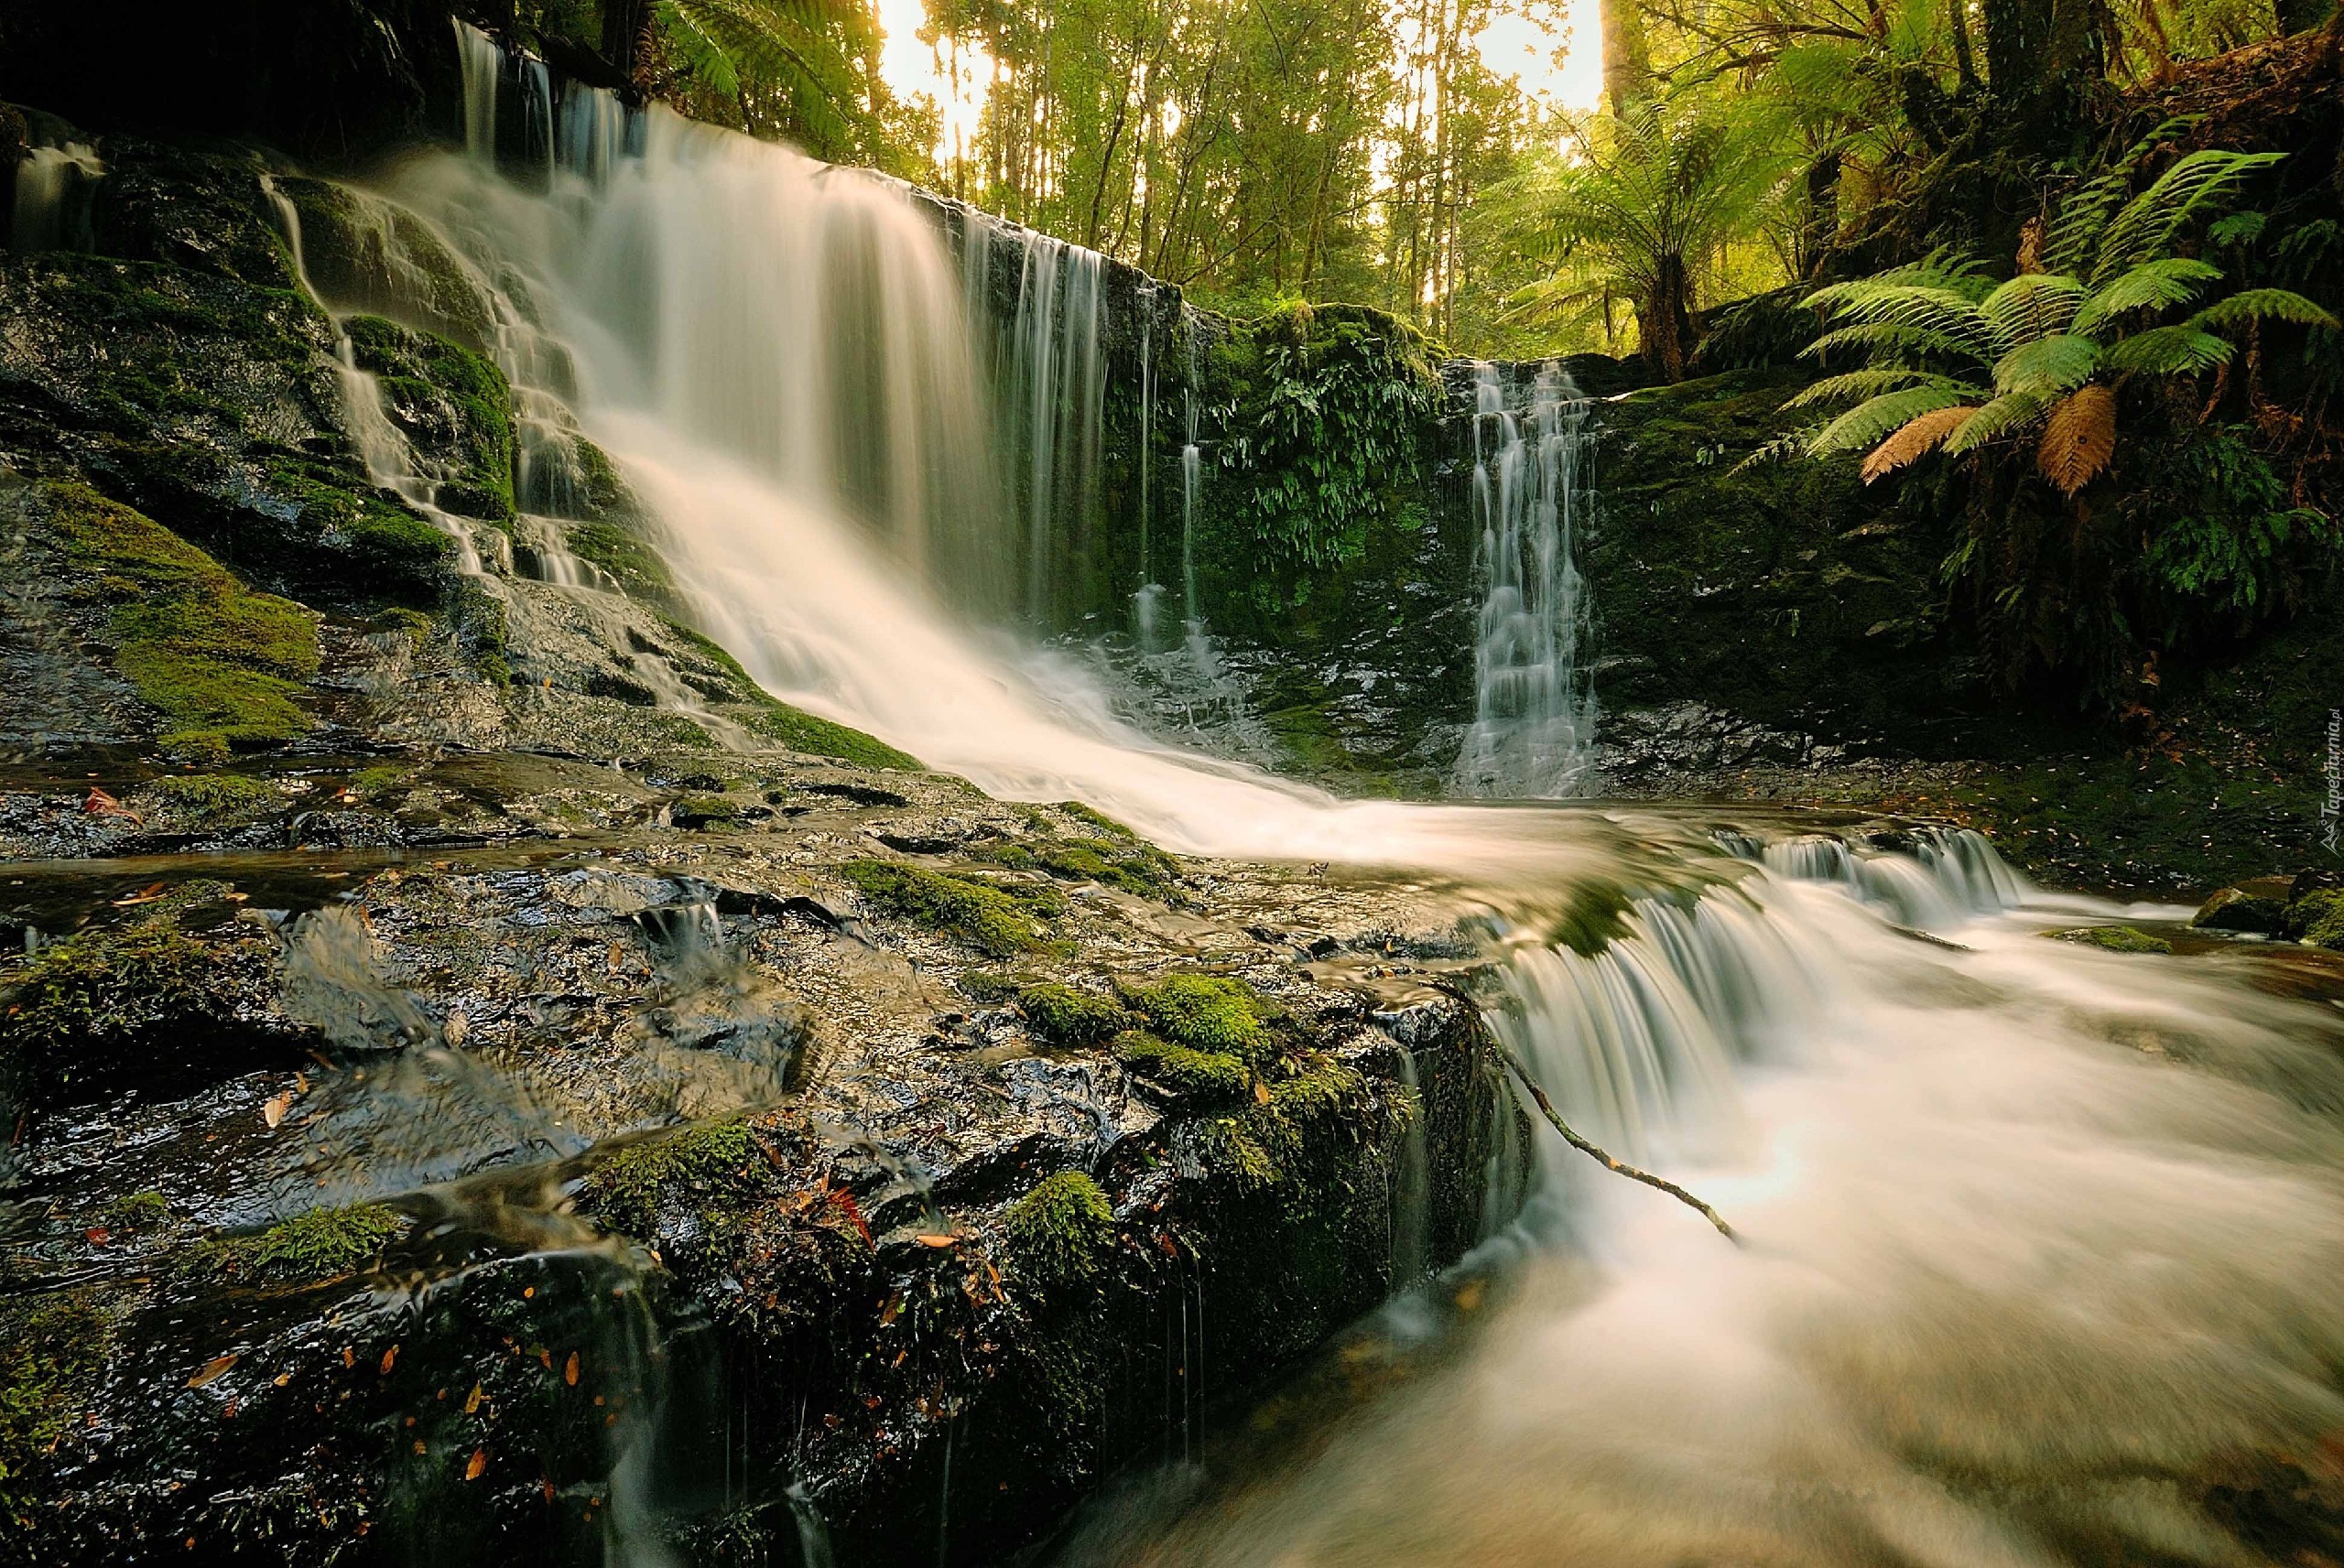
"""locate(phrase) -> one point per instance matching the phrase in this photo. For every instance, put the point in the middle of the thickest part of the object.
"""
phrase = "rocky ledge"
(459, 1149)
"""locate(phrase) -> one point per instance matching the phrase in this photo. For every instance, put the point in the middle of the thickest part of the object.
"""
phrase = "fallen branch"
(1619, 1167)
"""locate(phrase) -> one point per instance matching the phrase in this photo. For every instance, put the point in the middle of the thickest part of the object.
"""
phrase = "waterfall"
(1534, 721)
(54, 188)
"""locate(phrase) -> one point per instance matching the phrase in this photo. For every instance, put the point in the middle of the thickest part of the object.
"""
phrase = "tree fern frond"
(1873, 420)
(2079, 438)
(1923, 307)
(1919, 439)
(2261, 305)
(2151, 286)
(2083, 217)
(2033, 305)
(2147, 227)
(1873, 382)
(2048, 365)
(2166, 350)
(2006, 415)
(1889, 340)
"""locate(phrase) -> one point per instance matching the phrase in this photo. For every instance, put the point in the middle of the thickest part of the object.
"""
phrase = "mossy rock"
(1131, 866)
(2113, 939)
(1205, 1012)
(318, 1245)
(1069, 1019)
(631, 1186)
(53, 1353)
(365, 252)
(993, 920)
(85, 1007)
(630, 561)
(2235, 909)
(2317, 918)
(705, 811)
(198, 210)
(1060, 1235)
(213, 800)
(219, 662)
(1213, 1076)
(452, 405)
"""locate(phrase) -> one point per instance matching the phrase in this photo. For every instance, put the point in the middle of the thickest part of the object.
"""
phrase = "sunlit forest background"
(1513, 176)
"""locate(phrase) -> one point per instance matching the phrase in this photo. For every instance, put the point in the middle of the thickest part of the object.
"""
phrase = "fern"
(1872, 421)
(2079, 438)
(2059, 362)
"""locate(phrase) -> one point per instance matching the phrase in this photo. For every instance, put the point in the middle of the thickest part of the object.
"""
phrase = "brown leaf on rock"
(478, 1462)
(569, 1369)
(212, 1369)
(273, 1112)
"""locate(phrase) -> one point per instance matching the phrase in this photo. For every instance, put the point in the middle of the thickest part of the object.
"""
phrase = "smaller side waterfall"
(54, 186)
(1533, 722)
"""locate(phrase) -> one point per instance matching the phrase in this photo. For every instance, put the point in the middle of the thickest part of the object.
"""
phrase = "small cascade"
(1192, 478)
(1047, 367)
(1950, 875)
(1145, 597)
(1534, 724)
(1411, 1189)
(55, 187)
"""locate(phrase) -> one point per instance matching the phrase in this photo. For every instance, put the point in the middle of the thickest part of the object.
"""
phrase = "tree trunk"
(1665, 321)
(1958, 13)
(2042, 58)
(623, 32)
(1627, 63)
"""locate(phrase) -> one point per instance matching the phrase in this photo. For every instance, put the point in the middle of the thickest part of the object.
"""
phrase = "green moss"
(322, 1244)
(452, 405)
(480, 628)
(1061, 1235)
(1595, 917)
(637, 566)
(1134, 867)
(987, 917)
(208, 799)
(1204, 1012)
(2317, 918)
(630, 1185)
(2114, 939)
(817, 737)
(1188, 1073)
(84, 1000)
(703, 811)
(219, 662)
(1097, 819)
(139, 1211)
(381, 780)
(1069, 1019)
(53, 1352)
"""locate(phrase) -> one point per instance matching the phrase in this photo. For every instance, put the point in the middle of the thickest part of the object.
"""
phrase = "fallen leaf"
(282, 1379)
(938, 1241)
(569, 1369)
(349, 1356)
(1261, 1092)
(473, 1403)
(301, 1082)
(212, 1369)
(478, 1462)
(98, 1235)
(274, 1111)
(147, 894)
(388, 1356)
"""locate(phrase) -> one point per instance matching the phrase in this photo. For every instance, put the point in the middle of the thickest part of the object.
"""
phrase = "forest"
(1344, 784)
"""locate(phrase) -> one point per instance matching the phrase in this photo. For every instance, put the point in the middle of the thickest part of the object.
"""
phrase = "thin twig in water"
(1619, 1166)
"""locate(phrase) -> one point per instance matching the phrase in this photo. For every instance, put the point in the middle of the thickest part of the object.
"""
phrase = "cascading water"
(51, 207)
(1534, 721)
(2018, 1290)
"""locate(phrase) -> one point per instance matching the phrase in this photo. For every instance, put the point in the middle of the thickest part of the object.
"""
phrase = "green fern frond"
(1873, 382)
(2005, 416)
(2261, 305)
(1874, 420)
(2151, 286)
(2166, 350)
(2084, 216)
(2033, 305)
(1885, 339)
(2046, 366)
(2146, 228)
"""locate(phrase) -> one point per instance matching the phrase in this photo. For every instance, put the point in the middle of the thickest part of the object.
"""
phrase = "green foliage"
(995, 921)
(1061, 1235)
(1069, 1019)
(1323, 428)
(635, 564)
(2221, 535)
(220, 663)
(790, 63)
(2317, 918)
(321, 1244)
(211, 798)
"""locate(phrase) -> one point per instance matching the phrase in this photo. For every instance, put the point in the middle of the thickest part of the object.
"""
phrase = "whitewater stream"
(2043, 1243)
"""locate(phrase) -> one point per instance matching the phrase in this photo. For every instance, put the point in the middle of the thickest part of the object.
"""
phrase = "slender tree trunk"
(623, 22)
(1665, 320)
(1958, 14)
(1627, 61)
(2042, 58)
